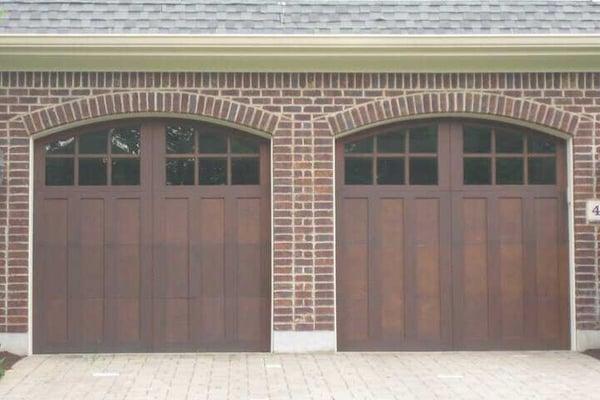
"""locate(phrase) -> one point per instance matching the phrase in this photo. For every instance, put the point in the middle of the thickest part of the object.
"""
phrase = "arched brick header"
(90, 108)
(435, 103)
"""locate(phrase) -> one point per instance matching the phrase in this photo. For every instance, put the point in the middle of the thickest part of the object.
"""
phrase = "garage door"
(151, 235)
(452, 235)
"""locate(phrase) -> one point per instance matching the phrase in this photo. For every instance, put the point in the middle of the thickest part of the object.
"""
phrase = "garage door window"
(393, 158)
(497, 156)
(210, 156)
(106, 157)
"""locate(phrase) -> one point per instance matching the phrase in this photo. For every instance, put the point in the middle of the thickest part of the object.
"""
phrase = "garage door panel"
(126, 245)
(250, 284)
(391, 265)
(511, 266)
(473, 279)
(547, 269)
(53, 267)
(173, 270)
(426, 229)
(92, 236)
(353, 273)
(212, 259)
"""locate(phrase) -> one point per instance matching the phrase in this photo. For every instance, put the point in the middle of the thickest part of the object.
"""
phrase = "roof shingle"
(404, 17)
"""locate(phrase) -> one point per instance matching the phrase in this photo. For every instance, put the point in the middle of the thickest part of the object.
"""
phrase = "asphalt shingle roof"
(410, 17)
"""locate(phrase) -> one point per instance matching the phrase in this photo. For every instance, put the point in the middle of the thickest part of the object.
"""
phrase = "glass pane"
(180, 139)
(390, 171)
(59, 171)
(508, 142)
(125, 171)
(358, 171)
(125, 141)
(509, 171)
(423, 139)
(212, 171)
(359, 146)
(245, 145)
(542, 171)
(423, 171)
(63, 146)
(391, 142)
(180, 171)
(477, 139)
(93, 143)
(245, 171)
(212, 143)
(541, 144)
(477, 171)
(92, 171)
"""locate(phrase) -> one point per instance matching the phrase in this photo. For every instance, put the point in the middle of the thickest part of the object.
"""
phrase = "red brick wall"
(303, 112)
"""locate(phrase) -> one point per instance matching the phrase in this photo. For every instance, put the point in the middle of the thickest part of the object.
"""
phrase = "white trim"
(296, 53)
(272, 220)
(571, 226)
(30, 248)
(335, 244)
(16, 343)
(303, 341)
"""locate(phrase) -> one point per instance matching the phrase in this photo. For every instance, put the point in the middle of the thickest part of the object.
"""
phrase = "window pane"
(542, 171)
(92, 171)
(245, 171)
(477, 139)
(93, 143)
(358, 171)
(244, 145)
(63, 146)
(423, 139)
(509, 171)
(125, 141)
(508, 142)
(180, 171)
(541, 144)
(210, 142)
(212, 171)
(391, 142)
(180, 139)
(359, 146)
(477, 171)
(59, 171)
(423, 171)
(125, 171)
(390, 171)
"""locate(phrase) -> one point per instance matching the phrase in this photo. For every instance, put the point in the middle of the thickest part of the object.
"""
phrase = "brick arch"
(439, 103)
(143, 102)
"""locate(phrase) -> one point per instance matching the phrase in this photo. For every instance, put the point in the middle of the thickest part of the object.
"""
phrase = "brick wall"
(303, 112)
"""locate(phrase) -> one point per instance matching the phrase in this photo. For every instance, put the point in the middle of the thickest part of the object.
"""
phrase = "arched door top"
(435, 104)
(159, 103)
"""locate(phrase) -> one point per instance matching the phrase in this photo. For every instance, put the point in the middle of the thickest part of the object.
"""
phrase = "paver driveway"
(526, 375)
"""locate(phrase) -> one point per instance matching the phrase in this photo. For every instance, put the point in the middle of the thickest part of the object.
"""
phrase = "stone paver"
(470, 375)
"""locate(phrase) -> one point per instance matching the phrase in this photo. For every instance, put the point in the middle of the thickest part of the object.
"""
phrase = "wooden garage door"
(151, 235)
(452, 235)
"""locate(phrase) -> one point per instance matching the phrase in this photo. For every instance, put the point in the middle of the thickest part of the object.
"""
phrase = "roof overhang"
(301, 53)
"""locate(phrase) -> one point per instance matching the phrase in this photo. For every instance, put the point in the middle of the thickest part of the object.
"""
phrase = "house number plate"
(592, 210)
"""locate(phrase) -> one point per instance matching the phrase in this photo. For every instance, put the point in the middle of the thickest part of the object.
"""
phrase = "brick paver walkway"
(526, 375)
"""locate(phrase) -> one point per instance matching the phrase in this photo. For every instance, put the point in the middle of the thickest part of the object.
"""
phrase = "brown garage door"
(452, 235)
(151, 235)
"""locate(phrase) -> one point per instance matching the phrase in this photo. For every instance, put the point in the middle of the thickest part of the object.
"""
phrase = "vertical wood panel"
(475, 279)
(126, 270)
(249, 282)
(547, 267)
(212, 253)
(427, 265)
(53, 244)
(510, 239)
(91, 277)
(353, 304)
(391, 267)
